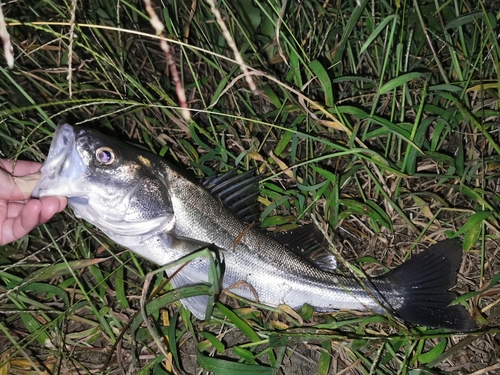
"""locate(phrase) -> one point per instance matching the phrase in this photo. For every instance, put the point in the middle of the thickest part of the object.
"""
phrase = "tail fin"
(422, 285)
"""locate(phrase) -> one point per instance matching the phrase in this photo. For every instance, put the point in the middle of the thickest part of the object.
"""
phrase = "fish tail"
(420, 287)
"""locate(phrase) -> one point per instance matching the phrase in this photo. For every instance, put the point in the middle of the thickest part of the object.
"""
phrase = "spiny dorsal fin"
(309, 243)
(238, 192)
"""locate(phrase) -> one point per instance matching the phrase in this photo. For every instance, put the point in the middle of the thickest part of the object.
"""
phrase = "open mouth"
(60, 148)
(62, 166)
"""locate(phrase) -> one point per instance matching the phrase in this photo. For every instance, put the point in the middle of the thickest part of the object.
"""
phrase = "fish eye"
(105, 155)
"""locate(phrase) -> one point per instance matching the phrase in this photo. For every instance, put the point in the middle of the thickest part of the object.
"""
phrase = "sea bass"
(149, 206)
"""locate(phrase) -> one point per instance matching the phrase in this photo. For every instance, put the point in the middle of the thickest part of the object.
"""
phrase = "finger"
(29, 216)
(16, 227)
(37, 212)
(13, 209)
(51, 206)
(20, 167)
(8, 189)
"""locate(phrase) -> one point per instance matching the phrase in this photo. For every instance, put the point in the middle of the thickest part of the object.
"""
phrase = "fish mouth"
(63, 165)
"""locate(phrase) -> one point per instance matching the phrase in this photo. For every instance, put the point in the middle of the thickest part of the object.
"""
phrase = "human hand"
(19, 214)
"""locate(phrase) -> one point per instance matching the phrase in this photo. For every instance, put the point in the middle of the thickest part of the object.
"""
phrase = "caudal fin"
(421, 285)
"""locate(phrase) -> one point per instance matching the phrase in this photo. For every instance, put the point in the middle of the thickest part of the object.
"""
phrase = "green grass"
(382, 123)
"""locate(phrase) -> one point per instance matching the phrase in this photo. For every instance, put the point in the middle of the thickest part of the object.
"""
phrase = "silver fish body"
(147, 205)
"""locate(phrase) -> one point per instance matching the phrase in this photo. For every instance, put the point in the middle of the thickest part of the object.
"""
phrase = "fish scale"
(292, 280)
(149, 206)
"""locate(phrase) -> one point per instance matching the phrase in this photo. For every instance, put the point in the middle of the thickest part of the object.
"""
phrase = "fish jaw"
(62, 167)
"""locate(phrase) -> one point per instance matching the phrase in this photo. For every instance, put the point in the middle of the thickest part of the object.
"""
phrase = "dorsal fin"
(309, 243)
(238, 192)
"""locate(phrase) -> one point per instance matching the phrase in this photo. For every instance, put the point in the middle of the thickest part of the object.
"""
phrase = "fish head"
(119, 188)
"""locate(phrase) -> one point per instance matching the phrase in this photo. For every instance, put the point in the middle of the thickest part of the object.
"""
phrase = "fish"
(156, 209)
